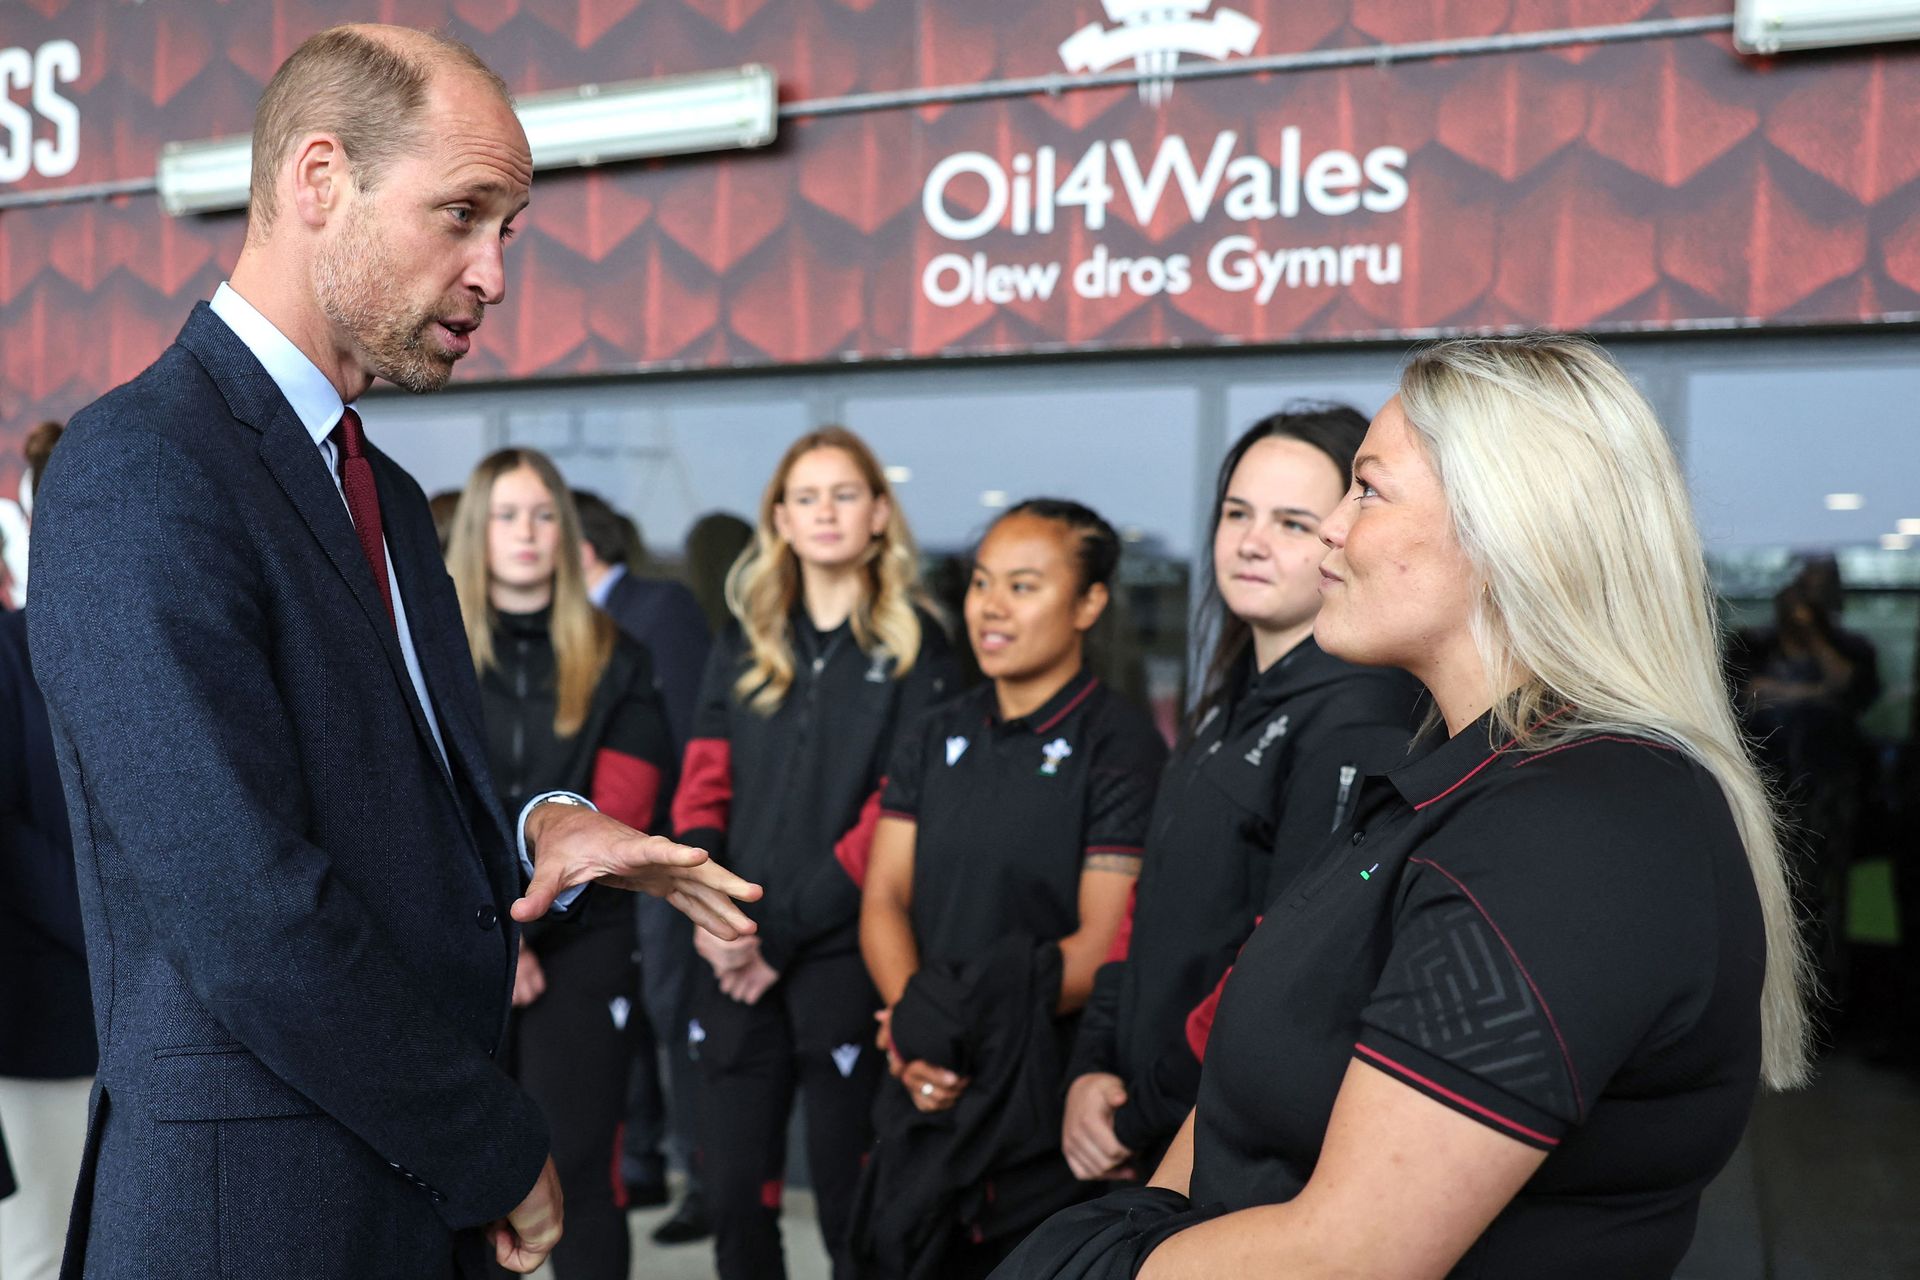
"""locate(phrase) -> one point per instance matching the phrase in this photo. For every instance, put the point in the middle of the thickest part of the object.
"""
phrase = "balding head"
(366, 85)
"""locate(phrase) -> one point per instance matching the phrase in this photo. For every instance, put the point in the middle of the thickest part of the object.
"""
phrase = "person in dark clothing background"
(47, 1050)
(1268, 767)
(831, 654)
(1804, 684)
(715, 543)
(665, 618)
(1013, 816)
(660, 614)
(569, 705)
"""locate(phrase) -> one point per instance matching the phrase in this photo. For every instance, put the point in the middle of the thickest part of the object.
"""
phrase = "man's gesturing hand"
(572, 845)
(526, 1236)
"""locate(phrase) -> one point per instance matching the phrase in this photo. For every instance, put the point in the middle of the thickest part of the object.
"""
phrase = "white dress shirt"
(599, 592)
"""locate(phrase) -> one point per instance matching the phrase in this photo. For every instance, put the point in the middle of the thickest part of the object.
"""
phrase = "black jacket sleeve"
(1158, 1100)
(1095, 1044)
(37, 882)
(705, 795)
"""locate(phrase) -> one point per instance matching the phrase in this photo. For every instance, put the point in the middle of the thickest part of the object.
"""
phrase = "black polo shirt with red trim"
(1008, 812)
(1562, 944)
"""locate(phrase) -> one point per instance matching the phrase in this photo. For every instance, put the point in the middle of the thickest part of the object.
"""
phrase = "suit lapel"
(297, 466)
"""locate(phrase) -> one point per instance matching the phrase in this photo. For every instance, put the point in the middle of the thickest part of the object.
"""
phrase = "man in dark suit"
(661, 615)
(295, 878)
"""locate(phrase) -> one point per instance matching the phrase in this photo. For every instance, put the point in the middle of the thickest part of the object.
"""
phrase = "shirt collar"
(314, 400)
(1455, 762)
(601, 592)
(1049, 714)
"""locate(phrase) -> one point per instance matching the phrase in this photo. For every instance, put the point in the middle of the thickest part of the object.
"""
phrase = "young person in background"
(569, 705)
(832, 652)
(47, 1049)
(1268, 767)
(1011, 834)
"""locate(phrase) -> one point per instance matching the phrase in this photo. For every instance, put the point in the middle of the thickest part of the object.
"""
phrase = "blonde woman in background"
(1513, 1021)
(832, 651)
(569, 705)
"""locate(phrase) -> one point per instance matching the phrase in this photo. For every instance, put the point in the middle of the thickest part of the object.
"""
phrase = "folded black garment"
(1104, 1239)
(988, 1169)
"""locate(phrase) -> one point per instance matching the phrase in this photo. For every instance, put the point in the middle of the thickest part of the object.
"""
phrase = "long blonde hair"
(764, 584)
(1566, 496)
(582, 635)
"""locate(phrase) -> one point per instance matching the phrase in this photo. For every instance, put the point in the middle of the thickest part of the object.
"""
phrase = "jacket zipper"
(1347, 774)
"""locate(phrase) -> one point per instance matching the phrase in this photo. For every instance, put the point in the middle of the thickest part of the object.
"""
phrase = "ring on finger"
(926, 1089)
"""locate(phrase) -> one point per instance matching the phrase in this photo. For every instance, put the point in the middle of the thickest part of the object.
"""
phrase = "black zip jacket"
(1243, 805)
(622, 757)
(790, 799)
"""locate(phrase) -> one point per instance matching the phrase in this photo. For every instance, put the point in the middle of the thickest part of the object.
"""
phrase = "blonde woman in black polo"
(1514, 1021)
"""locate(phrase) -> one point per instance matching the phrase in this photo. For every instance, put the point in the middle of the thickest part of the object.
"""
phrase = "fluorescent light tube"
(673, 115)
(205, 177)
(1781, 26)
(591, 125)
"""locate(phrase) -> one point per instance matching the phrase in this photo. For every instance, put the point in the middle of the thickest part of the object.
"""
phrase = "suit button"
(1359, 837)
(486, 917)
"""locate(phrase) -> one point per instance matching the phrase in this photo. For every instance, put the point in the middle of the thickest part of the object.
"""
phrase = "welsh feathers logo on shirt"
(1270, 735)
(1052, 754)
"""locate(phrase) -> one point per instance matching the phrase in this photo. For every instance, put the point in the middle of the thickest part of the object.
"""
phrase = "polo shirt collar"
(1453, 763)
(1050, 713)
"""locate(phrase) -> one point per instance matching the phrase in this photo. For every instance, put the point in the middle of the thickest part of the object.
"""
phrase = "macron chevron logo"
(1154, 34)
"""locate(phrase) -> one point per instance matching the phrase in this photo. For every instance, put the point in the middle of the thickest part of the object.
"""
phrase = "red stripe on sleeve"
(1123, 936)
(856, 847)
(626, 787)
(706, 786)
(1485, 1113)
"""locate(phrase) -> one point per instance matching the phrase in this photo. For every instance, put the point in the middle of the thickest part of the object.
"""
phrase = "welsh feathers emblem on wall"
(1154, 34)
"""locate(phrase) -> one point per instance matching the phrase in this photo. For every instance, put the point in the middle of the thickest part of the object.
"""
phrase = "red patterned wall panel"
(1658, 183)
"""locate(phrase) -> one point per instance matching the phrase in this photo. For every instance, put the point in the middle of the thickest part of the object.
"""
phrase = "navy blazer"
(666, 618)
(46, 1013)
(296, 915)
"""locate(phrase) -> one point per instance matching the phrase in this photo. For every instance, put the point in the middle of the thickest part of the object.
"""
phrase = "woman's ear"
(782, 523)
(1088, 608)
(882, 512)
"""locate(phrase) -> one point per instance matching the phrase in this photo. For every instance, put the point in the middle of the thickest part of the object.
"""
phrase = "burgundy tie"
(363, 501)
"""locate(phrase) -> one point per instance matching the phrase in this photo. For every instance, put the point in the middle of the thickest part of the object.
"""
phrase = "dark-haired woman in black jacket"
(1267, 768)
